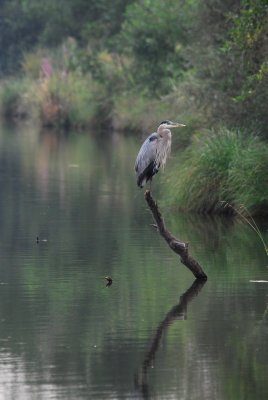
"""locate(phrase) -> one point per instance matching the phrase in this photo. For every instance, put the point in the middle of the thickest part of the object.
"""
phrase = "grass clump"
(223, 166)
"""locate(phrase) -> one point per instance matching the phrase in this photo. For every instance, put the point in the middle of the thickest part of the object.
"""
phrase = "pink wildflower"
(46, 68)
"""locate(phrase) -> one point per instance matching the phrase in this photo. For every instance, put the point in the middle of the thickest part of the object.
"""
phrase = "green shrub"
(139, 112)
(11, 92)
(58, 93)
(31, 64)
(70, 99)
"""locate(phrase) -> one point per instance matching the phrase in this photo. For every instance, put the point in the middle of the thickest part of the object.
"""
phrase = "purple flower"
(46, 68)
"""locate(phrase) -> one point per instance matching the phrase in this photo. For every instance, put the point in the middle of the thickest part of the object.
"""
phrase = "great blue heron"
(153, 153)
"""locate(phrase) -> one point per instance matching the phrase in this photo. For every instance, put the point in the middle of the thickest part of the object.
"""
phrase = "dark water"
(154, 333)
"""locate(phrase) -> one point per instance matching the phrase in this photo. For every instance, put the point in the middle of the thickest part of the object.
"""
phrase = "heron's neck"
(164, 132)
(164, 145)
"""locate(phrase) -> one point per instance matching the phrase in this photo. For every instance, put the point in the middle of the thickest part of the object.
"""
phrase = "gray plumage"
(154, 152)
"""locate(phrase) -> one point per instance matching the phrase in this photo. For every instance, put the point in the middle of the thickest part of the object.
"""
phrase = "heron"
(154, 152)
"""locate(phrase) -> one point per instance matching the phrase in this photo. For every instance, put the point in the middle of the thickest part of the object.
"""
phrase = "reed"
(246, 216)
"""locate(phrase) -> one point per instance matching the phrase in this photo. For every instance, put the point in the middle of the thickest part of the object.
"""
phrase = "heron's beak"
(176, 125)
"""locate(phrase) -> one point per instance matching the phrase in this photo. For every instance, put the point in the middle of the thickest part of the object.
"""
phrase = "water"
(154, 333)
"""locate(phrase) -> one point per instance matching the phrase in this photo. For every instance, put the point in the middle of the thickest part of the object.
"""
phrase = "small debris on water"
(38, 240)
(109, 281)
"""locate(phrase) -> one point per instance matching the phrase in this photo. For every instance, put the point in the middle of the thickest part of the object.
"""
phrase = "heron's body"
(153, 153)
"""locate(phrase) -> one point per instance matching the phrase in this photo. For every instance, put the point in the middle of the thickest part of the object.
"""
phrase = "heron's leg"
(151, 185)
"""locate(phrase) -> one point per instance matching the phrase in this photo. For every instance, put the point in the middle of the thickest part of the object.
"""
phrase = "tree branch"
(175, 244)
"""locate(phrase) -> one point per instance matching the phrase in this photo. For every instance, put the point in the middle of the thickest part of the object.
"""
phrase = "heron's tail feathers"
(141, 182)
(147, 174)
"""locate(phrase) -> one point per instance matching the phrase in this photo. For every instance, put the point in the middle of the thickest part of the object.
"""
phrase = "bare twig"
(175, 244)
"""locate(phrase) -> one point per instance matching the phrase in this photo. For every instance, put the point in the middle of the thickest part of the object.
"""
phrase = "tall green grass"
(223, 166)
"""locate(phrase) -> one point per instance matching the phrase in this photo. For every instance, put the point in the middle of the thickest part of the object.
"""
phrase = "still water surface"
(154, 333)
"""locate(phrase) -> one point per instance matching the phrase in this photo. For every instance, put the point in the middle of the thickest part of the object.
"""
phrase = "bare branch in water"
(179, 247)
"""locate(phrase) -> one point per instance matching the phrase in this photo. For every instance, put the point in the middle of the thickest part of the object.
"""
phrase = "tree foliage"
(219, 49)
(249, 42)
(154, 33)
(21, 23)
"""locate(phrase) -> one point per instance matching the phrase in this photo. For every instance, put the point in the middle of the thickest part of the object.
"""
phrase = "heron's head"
(169, 124)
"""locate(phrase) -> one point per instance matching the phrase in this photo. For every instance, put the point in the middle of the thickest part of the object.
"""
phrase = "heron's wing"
(146, 155)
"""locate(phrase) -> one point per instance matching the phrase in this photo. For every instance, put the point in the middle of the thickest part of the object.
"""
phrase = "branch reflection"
(178, 312)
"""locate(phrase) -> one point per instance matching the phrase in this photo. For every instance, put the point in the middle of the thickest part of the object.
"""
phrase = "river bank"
(210, 169)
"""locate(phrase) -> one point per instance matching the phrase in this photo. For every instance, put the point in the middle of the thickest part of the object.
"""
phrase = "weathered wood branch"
(179, 247)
